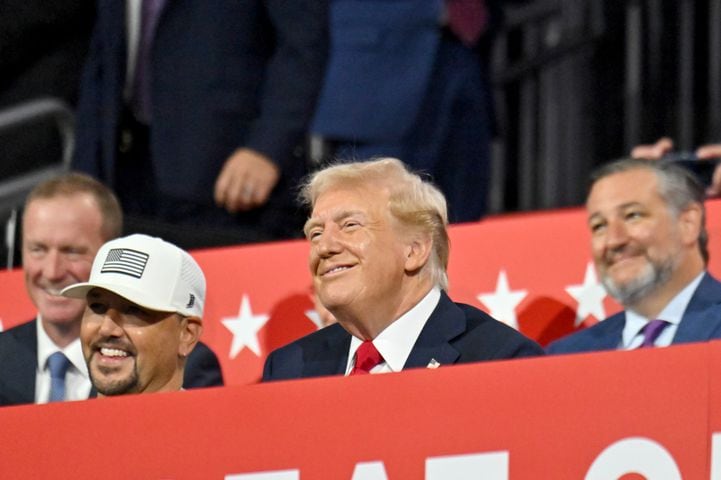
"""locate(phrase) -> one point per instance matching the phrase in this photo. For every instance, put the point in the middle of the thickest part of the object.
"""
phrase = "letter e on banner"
(276, 475)
(489, 466)
(716, 456)
(370, 471)
(634, 455)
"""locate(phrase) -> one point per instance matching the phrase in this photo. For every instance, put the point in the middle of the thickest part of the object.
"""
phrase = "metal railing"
(14, 190)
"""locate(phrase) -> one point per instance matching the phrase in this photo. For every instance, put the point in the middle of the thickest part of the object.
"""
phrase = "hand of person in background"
(665, 145)
(712, 151)
(246, 180)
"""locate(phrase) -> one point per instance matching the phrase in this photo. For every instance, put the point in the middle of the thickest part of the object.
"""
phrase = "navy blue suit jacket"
(225, 74)
(19, 362)
(454, 333)
(391, 46)
(698, 324)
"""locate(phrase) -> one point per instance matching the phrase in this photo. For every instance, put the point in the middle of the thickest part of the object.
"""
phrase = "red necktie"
(366, 358)
(467, 19)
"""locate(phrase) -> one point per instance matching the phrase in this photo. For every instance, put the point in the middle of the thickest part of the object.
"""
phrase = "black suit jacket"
(225, 74)
(454, 333)
(19, 359)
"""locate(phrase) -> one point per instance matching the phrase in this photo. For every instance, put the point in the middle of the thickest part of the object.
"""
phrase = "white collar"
(47, 347)
(396, 341)
(672, 312)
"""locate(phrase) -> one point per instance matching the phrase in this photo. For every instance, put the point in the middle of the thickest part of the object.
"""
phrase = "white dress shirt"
(672, 313)
(396, 341)
(77, 380)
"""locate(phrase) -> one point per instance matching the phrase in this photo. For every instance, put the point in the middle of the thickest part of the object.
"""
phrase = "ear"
(417, 252)
(190, 330)
(690, 224)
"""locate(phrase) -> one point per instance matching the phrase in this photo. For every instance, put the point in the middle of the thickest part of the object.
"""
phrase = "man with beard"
(143, 317)
(66, 220)
(649, 244)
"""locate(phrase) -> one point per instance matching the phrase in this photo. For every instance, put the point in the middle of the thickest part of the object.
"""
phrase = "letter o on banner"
(634, 455)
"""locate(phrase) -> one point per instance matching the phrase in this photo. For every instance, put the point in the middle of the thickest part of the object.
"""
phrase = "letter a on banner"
(489, 466)
(634, 455)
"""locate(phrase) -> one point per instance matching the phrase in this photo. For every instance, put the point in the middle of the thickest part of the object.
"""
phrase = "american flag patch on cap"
(126, 261)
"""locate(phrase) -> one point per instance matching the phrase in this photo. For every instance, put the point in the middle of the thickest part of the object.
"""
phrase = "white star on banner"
(589, 296)
(315, 318)
(1, 324)
(245, 328)
(503, 302)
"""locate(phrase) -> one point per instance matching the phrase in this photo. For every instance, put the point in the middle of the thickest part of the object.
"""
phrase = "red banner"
(532, 271)
(593, 416)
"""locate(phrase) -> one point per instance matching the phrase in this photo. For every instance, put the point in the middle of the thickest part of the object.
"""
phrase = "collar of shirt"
(672, 313)
(46, 347)
(396, 341)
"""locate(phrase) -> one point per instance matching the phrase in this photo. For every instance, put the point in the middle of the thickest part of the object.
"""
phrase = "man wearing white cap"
(145, 301)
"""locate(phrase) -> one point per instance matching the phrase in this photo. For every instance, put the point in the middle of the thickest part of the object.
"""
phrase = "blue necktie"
(58, 364)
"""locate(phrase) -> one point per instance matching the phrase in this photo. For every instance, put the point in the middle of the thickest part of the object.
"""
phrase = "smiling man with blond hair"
(378, 256)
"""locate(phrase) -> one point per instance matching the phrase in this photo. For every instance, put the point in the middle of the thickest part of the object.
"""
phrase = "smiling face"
(638, 243)
(357, 255)
(130, 349)
(60, 238)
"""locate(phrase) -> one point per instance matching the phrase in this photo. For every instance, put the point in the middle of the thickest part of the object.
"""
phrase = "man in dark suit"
(649, 244)
(378, 256)
(410, 79)
(189, 104)
(66, 220)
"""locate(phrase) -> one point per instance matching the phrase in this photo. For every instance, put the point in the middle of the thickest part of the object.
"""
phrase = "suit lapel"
(21, 364)
(611, 332)
(694, 326)
(330, 357)
(707, 293)
(445, 323)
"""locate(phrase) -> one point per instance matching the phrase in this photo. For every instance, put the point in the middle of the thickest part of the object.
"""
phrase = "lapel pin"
(433, 363)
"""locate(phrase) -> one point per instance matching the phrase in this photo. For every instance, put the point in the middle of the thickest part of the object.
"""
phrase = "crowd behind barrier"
(653, 414)
(532, 271)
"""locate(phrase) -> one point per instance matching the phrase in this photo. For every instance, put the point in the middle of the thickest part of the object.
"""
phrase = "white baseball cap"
(149, 272)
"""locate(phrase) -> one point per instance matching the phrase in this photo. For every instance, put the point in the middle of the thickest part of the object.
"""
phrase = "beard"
(114, 387)
(654, 275)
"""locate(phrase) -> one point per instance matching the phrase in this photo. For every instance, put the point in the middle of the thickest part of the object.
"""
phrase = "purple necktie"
(651, 332)
(149, 13)
(467, 19)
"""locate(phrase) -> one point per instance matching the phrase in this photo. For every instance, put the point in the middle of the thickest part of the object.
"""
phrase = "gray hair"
(414, 202)
(677, 185)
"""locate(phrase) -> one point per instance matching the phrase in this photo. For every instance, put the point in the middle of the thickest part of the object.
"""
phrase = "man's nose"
(616, 234)
(328, 242)
(53, 266)
(110, 324)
